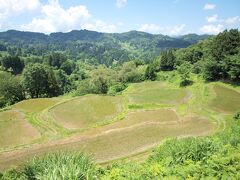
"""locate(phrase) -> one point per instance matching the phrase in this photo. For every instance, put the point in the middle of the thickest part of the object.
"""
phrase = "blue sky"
(171, 17)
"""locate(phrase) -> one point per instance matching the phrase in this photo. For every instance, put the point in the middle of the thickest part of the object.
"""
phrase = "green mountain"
(91, 46)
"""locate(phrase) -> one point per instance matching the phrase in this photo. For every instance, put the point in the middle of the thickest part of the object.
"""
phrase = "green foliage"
(225, 43)
(63, 81)
(39, 81)
(68, 66)
(150, 72)
(56, 60)
(216, 58)
(177, 152)
(184, 70)
(56, 166)
(11, 88)
(117, 88)
(84, 87)
(12, 64)
(167, 60)
(211, 70)
(94, 47)
(233, 66)
(237, 116)
(131, 73)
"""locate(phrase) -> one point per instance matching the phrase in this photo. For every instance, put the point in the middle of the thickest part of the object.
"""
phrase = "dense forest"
(94, 47)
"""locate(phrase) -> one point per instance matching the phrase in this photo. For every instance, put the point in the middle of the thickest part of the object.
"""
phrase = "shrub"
(115, 89)
(237, 116)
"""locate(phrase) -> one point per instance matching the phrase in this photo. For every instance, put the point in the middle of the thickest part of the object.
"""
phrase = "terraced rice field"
(226, 100)
(105, 126)
(15, 130)
(145, 93)
(87, 111)
(36, 105)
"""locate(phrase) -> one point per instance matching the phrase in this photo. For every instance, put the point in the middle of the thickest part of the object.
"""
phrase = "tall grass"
(56, 166)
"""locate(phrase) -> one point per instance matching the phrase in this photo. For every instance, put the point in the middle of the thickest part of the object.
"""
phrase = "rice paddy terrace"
(114, 127)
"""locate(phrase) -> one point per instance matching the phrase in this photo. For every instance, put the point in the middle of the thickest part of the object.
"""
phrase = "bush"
(237, 116)
(115, 89)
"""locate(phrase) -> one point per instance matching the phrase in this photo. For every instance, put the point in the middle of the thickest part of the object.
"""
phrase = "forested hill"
(94, 47)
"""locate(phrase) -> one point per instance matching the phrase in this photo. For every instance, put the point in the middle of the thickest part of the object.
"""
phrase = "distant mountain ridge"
(92, 45)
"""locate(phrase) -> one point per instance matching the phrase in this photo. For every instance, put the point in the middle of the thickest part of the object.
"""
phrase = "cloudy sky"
(171, 17)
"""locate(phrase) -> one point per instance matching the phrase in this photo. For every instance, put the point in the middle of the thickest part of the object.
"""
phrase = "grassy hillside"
(126, 125)
(131, 133)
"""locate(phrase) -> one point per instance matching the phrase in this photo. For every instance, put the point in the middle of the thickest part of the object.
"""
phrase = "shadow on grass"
(186, 83)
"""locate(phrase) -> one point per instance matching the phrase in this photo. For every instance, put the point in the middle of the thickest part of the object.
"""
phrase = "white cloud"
(98, 25)
(232, 20)
(211, 29)
(212, 19)
(55, 18)
(12, 8)
(9, 7)
(209, 6)
(176, 30)
(121, 3)
(154, 28)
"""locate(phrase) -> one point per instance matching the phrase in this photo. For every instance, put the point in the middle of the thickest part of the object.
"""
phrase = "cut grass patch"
(226, 100)
(15, 130)
(87, 111)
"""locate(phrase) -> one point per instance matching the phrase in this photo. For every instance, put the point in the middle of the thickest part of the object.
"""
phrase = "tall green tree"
(40, 81)
(225, 43)
(184, 70)
(11, 88)
(56, 59)
(64, 82)
(12, 64)
(150, 72)
(68, 66)
(167, 61)
(233, 66)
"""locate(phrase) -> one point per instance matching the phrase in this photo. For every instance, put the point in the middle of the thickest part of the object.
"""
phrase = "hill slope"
(103, 48)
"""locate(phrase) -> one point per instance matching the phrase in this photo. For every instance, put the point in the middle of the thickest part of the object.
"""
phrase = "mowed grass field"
(107, 127)
(15, 130)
